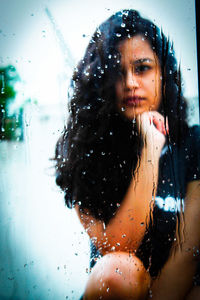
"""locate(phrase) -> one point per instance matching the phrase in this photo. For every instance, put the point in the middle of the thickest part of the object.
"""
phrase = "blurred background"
(44, 251)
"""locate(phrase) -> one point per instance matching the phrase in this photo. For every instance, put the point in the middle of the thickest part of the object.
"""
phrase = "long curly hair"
(99, 150)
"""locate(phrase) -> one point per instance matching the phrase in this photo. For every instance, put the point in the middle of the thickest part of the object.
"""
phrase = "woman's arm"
(126, 229)
(175, 280)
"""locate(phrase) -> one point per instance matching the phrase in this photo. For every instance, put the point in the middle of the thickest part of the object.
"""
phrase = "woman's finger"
(159, 122)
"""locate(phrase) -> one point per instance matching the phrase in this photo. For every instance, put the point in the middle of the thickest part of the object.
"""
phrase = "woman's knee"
(118, 275)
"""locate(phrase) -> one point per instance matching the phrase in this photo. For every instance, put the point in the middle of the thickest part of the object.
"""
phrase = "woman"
(125, 162)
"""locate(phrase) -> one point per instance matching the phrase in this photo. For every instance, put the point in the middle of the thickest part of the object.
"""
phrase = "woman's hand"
(152, 127)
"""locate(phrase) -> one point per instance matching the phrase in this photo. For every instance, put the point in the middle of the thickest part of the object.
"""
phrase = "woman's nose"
(131, 81)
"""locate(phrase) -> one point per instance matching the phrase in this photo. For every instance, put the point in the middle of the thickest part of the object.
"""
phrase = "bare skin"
(139, 88)
(118, 275)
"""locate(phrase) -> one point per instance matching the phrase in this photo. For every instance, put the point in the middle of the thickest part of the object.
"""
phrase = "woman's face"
(139, 88)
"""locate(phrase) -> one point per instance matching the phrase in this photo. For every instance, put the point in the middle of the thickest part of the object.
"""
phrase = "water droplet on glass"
(150, 294)
(118, 34)
(123, 25)
(118, 271)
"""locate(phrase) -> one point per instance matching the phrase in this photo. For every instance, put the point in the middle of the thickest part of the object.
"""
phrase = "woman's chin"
(132, 113)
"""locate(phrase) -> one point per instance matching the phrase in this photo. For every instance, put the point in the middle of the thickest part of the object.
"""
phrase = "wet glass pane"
(45, 250)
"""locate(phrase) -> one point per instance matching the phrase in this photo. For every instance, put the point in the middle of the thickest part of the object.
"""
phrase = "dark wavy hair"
(99, 150)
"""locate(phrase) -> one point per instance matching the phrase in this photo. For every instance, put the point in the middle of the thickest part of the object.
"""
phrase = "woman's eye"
(142, 68)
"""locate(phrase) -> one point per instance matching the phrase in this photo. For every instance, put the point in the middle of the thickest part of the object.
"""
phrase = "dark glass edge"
(197, 9)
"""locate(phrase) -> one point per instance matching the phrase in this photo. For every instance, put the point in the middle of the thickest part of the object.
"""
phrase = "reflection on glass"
(129, 163)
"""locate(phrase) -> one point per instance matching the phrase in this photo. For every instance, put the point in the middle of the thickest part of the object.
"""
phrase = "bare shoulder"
(194, 294)
(193, 188)
(192, 199)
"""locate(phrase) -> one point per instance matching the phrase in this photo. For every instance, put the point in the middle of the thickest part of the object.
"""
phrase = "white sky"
(28, 41)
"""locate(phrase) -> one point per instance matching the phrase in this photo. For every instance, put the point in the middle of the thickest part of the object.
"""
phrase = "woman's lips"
(133, 101)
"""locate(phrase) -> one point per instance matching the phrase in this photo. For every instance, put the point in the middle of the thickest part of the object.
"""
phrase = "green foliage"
(8, 77)
(10, 125)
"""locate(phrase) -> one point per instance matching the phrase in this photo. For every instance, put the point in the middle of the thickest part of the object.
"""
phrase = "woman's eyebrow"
(142, 60)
